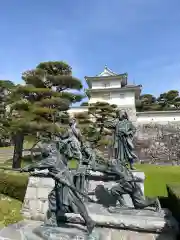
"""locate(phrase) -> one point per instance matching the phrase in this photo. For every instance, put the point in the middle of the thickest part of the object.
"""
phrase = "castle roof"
(107, 72)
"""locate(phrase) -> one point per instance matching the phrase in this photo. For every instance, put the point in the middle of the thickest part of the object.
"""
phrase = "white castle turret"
(113, 88)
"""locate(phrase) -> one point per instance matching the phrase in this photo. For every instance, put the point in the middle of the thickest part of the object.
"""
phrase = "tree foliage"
(92, 122)
(84, 104)
(166, 101)
(41, 104)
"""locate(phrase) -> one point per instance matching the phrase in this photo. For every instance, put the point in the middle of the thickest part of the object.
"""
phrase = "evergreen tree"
(41, 104)
(93, 121)
(166, 101)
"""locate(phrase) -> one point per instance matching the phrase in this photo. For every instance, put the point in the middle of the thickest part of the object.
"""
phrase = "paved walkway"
(7, 153)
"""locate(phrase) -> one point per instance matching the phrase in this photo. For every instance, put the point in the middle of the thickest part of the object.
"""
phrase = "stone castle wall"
(159, 117)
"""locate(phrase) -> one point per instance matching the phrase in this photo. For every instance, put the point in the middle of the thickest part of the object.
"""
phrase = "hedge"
(174, 199)
(13, 184)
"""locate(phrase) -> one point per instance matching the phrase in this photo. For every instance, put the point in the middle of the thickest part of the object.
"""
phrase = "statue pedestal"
(36, 198)
(99, 184)
(128, 224)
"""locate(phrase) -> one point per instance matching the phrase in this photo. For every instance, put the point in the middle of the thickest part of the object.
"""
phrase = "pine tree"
(41, 104)
(93, 121)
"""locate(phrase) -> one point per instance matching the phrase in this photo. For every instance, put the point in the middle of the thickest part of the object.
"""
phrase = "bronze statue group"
(70, 192)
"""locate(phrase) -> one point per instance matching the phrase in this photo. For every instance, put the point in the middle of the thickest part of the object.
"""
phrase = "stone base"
(35, 230)
(137, 220)
(127, 224)
(98, 188)
(36, 198)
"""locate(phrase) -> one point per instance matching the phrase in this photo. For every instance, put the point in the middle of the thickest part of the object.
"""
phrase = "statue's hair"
(71, 121)
(122, 113)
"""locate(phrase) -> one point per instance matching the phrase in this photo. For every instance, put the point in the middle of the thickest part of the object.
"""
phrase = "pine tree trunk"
(18, 150)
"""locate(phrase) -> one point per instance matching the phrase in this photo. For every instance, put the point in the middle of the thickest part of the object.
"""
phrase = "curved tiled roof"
(107, 72)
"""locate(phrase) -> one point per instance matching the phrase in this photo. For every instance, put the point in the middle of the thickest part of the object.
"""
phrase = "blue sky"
(141, 37)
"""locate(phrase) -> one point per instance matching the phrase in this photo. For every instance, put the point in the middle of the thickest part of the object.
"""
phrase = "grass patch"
(157, 177)
(9, 210)
(73, 164)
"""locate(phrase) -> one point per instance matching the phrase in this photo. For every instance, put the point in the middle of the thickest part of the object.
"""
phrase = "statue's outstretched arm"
(46, 163)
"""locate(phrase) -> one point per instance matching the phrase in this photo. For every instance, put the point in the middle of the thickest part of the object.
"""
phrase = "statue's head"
(122, 114)
(70, 148)
(72, 121)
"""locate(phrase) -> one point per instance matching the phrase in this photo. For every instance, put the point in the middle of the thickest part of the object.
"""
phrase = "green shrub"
(13, 184)
(174, 199)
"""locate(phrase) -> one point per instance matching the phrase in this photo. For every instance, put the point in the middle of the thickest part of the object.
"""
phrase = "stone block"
(44, 207)
(46, 183)
(33, 182)
(42, 193)
(140, 175)
(35, 206)
(31, 193)
(93, 184)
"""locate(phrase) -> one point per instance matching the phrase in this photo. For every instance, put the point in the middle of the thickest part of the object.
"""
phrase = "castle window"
(106, 96)
(107, 85)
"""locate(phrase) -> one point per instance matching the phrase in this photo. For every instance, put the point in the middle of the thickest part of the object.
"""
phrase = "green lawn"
(155, 185)
(157, 177)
